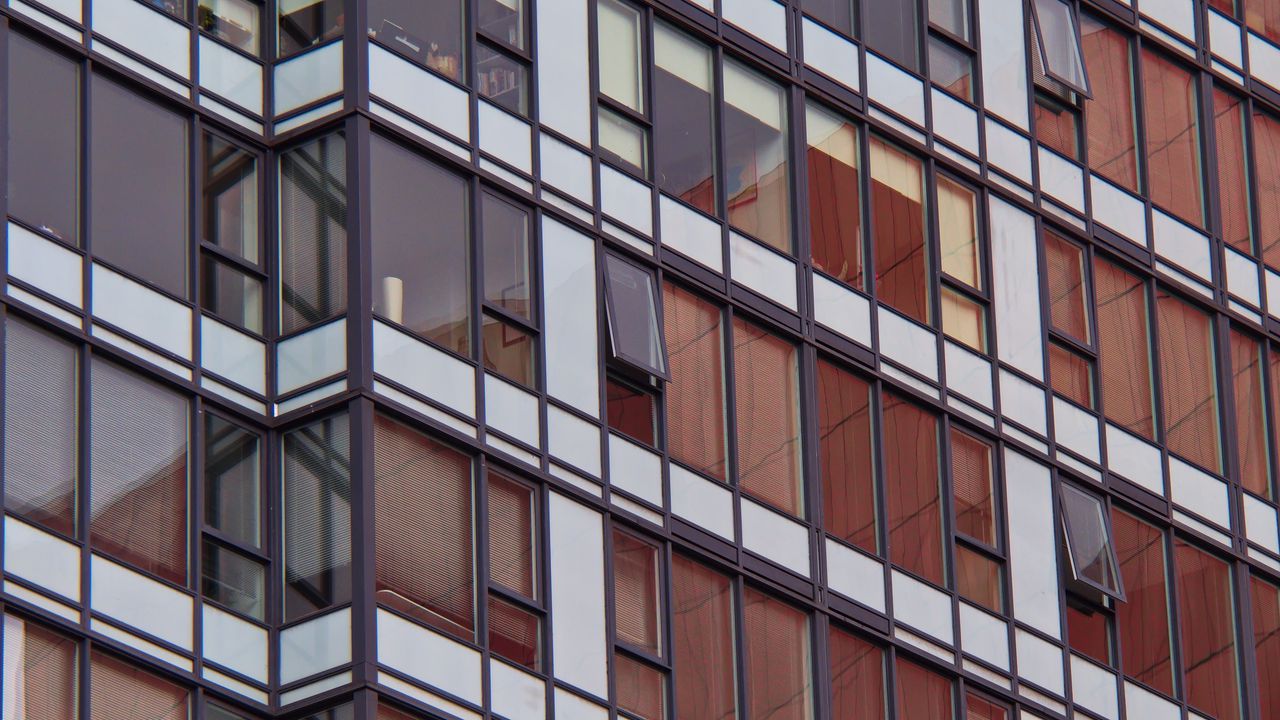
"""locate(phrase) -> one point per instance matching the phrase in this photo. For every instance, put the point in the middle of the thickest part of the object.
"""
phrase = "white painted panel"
(574, 440)
(831, 54)
(1061, 178)
(232, 354)
(569, 299)
(46, 265)
(763, 270)
(1134, 459)
(511, 409)
(1224, 38)
(1023, 402)
(1199, 492)
(1260, 523)
(626, 199)
(775, 537)
(1242, 277)
(1177, 15)
(308, 77)
(137, 309)
(573, 707)
(234, 643)
(317, 687)
(41, 558)
(1040, 661)
(1142, 703)
(424, 369)
(1176, 241)
(1033, 550)
(856, 575)
(968, 373)
(984, 636)
(506, 137)
(922, 607)
(1008, 150)
(1118, 210)
(133, 598)
(907, 343)
(635, 469)
(429, 657)
(566, 168)
(515, 694)
(564, 59)
(842, 310)
(1076, 429)
(895, 89)
(1094, 688)
(691, 233)
(313, 355)
(413, 89)
(765, 19)
(578, 636)
(1016, 288)
(230, 75)
(70, 8)
(138, 642)
(146, 31)
(955, 121)
(315, 645)
(1004, 64)
(705, 503)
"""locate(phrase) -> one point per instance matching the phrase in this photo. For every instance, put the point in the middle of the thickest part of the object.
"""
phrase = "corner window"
(231, 272)
(317, 516)
(631, 305)
(1090, 550)
(234, 573)
(313, 233)
(1057, 36)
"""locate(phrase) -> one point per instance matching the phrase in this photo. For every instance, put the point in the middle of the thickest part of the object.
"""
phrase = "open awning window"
(631, 304)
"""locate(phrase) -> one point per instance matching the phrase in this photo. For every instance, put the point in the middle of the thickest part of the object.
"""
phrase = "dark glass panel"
(1088, 539)
(1206, 610)
(835, 195)
(845, 443)
(684, 119)
(695, 396)
(1188, 363)
(757, 156)
(229, 188)
(429, 33)
(317, 516)
(891, 28)
(234, 580)
(631, 299)
(912, 488)
(507, 259)
(779, 677)
(313, 233)
(232, 493)
(898, 220)
(703, 656)
(304, 23)
(631, 412)
(1124, 349)
(767, 410)
(231, 294)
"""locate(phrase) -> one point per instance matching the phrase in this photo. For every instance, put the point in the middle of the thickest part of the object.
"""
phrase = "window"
(1188, 362)
(632, 411)
(317, 516)
(696, 412)
(913, 489)
(951, 48)
(1266, 144)
(898, 230)
(232, 505)
(1142, 621)
(638, 613)
(890, 29)
(509, 342)
(704, 647)
(502, 78)
(1250, 404)
(1058, 43)
(423, 529)
(1172, 104)
(980, 708)
(1071, 374)
(1109, 114)
(234, 22)
(1089, 631)
(1068, 310)
(1263, 17)
(1266, 644)
(41, 427)
(757, 156)
(140, 226)
(979, 571)
(923, 694)
(515, 622)
(138, 471)
(839, 14)
(964, 315)
(44, 139)
(313, 233)
(1230, 124)
(41, 672)
(846, 457)
(684, 124)
(1057, 126)
(857, 676)
(120, 691)
(776, 644)
(1087, 533)
(631, 304)
(767, 411)
(619, 50)
(835, 195)
(1124, 349)
(303, 23)
(231, 265)
(1206, 609)
(430, 34)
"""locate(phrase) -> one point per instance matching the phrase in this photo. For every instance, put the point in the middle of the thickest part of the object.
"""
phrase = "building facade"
(641, 359)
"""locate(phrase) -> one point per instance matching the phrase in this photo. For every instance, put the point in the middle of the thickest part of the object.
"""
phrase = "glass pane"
(140, 225)
(1234, 196)
(898, 222)
(951, 68)
(1087, 633)
(1110, 114)
(857, 677)
(696, 412)
(41, 672)
(1188, 362)
(964, 320)
(1266, 644)
(317, 516)
(234, 580)
(217, 712)
(313, 232)
(1266, 144)
(892, 30)
(44, 139)
(1143, 619)
(979, 579)
(637, 610)
(427, 33)
(835, 195)
(506, 255)
(512, 539)
(958, 233)
(508, 351)
(231, 294)
(303, 24)
(1065, 270)
(1088, 539)
(515, 633)
(502, 20)
(1173, 136)
(632, 305)
(779, 678)
(839, 14)
(1058, 127)
(923, 694)
(641, 689)
(912, 487)
(1251, 414)
(951, 15)
(618, 43)
(138, 471)
(230, 197)
(423, 528)
(757, 156)
(845, 443)
(41, 427)
(971, 477)
(767, 409)
(502, 79)
(231, 475)
(684, 120)
(235, 22)
(631, 412)
(624, 142)
(1263, 17)
(1071, 375)
(977, 708)
(1206, 608)
(420, 237)
(1124, 350)
(119, 690)
(704, 647)
(1059, 47)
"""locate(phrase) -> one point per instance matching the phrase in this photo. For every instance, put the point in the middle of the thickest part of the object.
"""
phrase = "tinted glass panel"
(767, 409)
(428, 33)
(44, 139)
(317, 516)
(898, 220)
(951, 15)
(1109, 114)
(1251, 413)
(1057, 127)
(757, 156)
(912, 488)
(964, 319)
(637, 610)
(979, 579)
(230, 294)
(835, 195)
(234, 580)
(632, 303)
(41, 672)
(231, 480)
(313, 233)
(515, 633)
(232, 21)
(502, 79)
(704, 647)
(303, 24)
(631, 411)
(512, 540)
(1266, 644)
(891, 29)
(1143, 619)
(122, 691)
(683, 121)
(977, 708)
(418, 222)
(507, 261)
(923, 694)
(1206, 607)
(857, 677)
(1234, 198)
(641, 689)
(230, 198)
(1088, 537)
(1087, 633)
(845, 453)
(1065, 273)
(1173, 136)
(695, 396)
(839, 14)
(971, 477)
(779, 679)
(1266, 143)
(1124, 350)
(140, 225)
(958, 233)
(623, 142)
(951, 68)
(1071, 375)
(1188, 363)
(1263, 17)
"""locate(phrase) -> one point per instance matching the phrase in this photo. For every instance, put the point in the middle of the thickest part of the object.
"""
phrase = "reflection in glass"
(1234, 196)
(632, 306)
(234, 580)
(757, 156)
(776, 646)
(1057, 126)
(41, 671)
(958, 233)
(123, 691)
(1188, 362)
(1173, 136)
(839, 14)
(857, 676)
(231, 294)
(702, 609)
(638, 609)
(304, 23)
(1143, 619)
(317, 516)
(923, 694)
(230, 198)
(1109, 115)
(973, 487)
(951, 68)
(624, 142)
(618, 43)
(979, 579)
(767, 409)
(512, 534)
(502, 20)
(505, 227)
(1266, 643)
(835, 195)
(1065, 275)
(892, 30)
(502, 79)
(1071, 375)
(641, 688)
(684, 119)
(429, 33)
(313, 233)
(898, 222)
(1058, 45)
(913, 489)
(1266, 153)
(1088, 539)
(232, 21)
(951, 15)
(1124, 349)
(1250, 402)
(964, 319)
(508, 351)
(231, 475)
(845, 443)
(1089, 633)
(1207, 617)
(696, 411)
(514, 633)
(631, 412)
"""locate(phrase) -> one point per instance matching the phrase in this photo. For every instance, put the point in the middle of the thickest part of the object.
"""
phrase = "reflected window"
(898, 223)
(776, 646)
(303, 23)
(1250, 403)
(857, 676)
(1058, 43)
(1109, 114)
(1207, 617)
(767, 410)
(891, 29)
(235, 22)
(1235, 196)
(44, 139)
(835, 195)
(684, 119)
(703, 619)
(1172, 103)
(696, 411)
(120, 690)
(922, 693)
(41, 672)
(429, 33)
(631, 302)
(232, 480)
(846, 457)
(913, 489)
(313, 233)
(317, 516)
(1124, 348)
(1142, 621)
(1189, 371)
(757, 156)
(1090, 550)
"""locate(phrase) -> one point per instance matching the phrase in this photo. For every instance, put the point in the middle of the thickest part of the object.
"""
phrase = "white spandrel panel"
(578, 633)
(1016, 288)
(1094, 688)
(234, 643)
(137, 309)
(895, 89)
(308, 77)
(429, 657)
(148, 32)
(230, 75)
(311, 356)
(1004, 64)
(831, 54)
(776, 537)
(855, 574)
(313, 646)
(569, 299)
(423, 369)
(691, 233)
(134, 599)
(1039, 660)
(564, 59)
(766, 19)
(46, 265)
(41, 558)
(1033, 549)
(232, 354)
(922, 607)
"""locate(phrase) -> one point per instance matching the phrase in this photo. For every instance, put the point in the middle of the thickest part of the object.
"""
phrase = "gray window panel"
(230, 198)
(232, 491)
(234, 580)
(1090, 548)
(506, 255)
(429, 33)
(317, 516)
(305, 24)
(1058, 39)
(893, 30)
(635, 334)
(839, 14)
(231, 294)
(313, 233)
(951, 15)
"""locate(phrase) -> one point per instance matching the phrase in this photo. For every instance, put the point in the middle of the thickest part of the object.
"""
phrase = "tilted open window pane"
(317, 516)
(1058, 37)
(631, 301)
(1090, 549)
